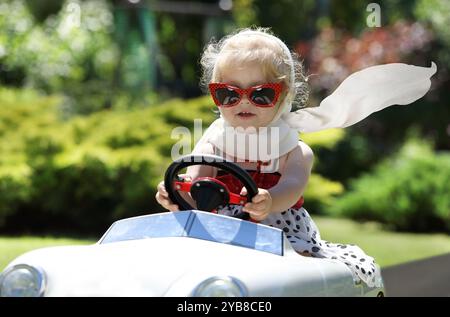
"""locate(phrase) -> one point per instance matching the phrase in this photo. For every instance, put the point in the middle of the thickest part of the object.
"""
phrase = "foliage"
(288, 19)
(408, 191)
(244, 13)
(320, 194)
(324, 139)
(352, 15)
(69, 51)
(437, 13)
(352, 155)
(83, 173)
(348, 15)
(320, 191)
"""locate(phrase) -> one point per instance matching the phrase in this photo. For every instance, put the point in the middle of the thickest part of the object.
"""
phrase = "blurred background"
(91, 90)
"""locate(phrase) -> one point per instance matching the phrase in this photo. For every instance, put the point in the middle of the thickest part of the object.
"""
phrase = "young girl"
(256, 82)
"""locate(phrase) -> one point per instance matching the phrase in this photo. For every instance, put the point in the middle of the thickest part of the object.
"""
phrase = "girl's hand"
(162, 197)
(260, 206)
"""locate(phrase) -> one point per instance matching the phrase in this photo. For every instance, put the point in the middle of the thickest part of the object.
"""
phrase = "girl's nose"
(245, 100)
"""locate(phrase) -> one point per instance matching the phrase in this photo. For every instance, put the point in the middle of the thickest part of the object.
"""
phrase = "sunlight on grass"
(388, 248)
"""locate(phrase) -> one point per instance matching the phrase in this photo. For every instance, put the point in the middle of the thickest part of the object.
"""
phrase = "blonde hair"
(260, 48)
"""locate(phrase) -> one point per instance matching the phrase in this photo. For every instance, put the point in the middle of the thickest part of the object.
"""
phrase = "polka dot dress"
(304, 236)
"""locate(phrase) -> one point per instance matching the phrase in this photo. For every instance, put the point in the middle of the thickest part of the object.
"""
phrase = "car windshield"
(200, 225)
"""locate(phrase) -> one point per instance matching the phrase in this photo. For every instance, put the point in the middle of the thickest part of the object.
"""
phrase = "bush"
(409, 191)
(321, 192)
(82, 174)
(65, 53)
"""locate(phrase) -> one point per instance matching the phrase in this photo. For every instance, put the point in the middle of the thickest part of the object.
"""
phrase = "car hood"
(174, 266)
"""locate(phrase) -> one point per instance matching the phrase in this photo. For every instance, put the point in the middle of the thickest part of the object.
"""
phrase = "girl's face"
(245, 114)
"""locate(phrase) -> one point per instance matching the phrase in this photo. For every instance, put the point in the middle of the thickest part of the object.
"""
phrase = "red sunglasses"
(265, 95)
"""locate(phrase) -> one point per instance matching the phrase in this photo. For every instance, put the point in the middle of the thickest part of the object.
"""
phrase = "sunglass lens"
(263, 96)
(227, 96)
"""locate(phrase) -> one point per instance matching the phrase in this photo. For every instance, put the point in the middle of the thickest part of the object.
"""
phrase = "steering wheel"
(209, 193)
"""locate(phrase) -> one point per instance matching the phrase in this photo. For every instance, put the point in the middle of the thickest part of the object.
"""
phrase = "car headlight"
(220, 287)
(22, 280)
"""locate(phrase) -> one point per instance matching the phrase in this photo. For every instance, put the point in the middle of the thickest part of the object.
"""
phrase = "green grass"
(11, 247)
(388, 248)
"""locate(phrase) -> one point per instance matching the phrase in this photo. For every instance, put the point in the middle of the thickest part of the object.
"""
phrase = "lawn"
(388, 248)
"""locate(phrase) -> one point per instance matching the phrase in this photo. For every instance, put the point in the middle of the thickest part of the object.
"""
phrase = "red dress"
(262, 180)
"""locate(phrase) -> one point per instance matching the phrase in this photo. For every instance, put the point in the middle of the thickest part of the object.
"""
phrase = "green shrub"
(14, 192)
(77, 175)
(409, 191)
(324, 139)
(60, 54)
(320, 194)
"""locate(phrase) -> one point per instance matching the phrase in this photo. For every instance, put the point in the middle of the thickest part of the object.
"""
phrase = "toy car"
(185, 253)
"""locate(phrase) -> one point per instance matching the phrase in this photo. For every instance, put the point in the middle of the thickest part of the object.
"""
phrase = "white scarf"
(359, 95)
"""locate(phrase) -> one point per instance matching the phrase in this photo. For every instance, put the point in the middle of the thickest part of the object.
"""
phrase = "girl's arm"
(294, 178)
(290, 187)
